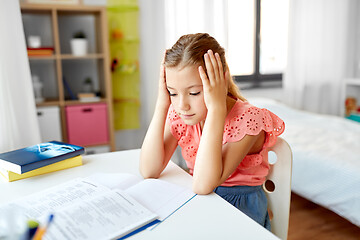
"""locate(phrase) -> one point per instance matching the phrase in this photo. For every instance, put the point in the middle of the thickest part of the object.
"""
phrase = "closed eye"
(194, 94)
(171, 94)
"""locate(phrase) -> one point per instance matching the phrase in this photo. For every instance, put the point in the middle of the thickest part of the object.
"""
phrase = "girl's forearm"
(152, 157)
(208, 167)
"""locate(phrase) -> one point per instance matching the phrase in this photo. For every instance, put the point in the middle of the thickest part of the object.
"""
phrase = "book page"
(160, 197)
(45, 202)
(110, 215)
(115, 180)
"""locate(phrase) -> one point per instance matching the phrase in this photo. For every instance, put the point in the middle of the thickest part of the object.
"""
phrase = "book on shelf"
(88, 97)
(68, 89)
(42, 51)
(33, 157)
(103, 206)
(61, 165)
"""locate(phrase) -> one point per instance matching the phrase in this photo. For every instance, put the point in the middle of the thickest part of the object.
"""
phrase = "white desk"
(204, 217)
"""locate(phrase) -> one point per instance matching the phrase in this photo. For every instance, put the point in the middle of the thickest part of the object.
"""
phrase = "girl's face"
(186, 94)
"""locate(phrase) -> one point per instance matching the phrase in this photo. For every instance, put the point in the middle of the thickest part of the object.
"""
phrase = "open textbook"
(102, 206)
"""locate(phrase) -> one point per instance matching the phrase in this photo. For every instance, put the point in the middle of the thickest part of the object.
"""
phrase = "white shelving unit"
(351, 88)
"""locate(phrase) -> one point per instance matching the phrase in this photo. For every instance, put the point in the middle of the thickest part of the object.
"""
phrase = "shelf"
(77, 102)
(353, 81)
(52, 57)
(48, 103)
(123, 8)
(35, 9)
(72, 9)
(88, 56)
(125, 39)
(122, 100)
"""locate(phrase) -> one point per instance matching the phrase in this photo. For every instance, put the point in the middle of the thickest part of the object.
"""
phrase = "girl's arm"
(215, 163)
(159, 144)
(212, 170)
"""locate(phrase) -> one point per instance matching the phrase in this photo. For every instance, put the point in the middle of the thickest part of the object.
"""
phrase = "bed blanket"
(326, 157)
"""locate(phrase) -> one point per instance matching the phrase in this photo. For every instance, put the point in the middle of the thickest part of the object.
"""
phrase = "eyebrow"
(187, 87)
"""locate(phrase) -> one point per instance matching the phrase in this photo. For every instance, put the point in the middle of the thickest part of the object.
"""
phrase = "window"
(257, 39)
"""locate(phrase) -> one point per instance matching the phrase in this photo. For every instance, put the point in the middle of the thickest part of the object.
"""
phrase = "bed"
(326, 157)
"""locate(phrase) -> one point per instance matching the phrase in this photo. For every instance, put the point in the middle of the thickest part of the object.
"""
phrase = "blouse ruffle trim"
(251, 121)
(177, 126)
(184, 135)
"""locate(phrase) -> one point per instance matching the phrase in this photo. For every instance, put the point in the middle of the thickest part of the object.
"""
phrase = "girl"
(224, 139)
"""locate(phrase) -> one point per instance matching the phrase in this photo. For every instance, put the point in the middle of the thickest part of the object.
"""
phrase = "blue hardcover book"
(40, 155)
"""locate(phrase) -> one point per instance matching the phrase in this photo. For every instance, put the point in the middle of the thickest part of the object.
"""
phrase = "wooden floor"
(310, 221)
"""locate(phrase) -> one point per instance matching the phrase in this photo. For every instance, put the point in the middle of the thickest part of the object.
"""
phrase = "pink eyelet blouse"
(243, 119)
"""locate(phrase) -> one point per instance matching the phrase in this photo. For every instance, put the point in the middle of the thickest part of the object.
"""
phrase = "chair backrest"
(278, 187)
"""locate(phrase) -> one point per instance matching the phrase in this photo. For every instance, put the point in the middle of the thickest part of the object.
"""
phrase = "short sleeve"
(250, 121)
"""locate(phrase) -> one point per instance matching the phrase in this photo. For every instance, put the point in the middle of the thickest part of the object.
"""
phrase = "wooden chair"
(278, 187)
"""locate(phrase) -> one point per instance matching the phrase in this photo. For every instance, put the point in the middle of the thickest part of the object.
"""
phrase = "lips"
(186, 116)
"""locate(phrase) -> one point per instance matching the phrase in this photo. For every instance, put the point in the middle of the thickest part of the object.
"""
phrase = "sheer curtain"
(319, 53)
(18, 122)
(193, 16)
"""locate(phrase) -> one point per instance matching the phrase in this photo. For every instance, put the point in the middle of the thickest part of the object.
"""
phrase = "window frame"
(257, 79)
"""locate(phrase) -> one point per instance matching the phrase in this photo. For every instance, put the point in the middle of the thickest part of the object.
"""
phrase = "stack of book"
(42, 51)
(39, 159)
(88, 97)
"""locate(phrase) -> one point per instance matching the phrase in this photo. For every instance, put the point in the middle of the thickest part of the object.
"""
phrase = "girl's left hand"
(215, 84)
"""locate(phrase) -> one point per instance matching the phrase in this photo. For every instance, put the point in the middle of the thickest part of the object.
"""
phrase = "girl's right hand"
(163, 94)
(214, 82)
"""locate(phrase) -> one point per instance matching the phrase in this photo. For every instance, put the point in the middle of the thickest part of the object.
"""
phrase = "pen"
(41, 230)
(32, 226)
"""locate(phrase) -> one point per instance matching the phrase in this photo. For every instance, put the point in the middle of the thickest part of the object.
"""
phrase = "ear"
(227, 78)
(227, 75)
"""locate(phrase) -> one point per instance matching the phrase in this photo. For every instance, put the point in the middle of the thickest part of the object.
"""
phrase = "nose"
(183, 103)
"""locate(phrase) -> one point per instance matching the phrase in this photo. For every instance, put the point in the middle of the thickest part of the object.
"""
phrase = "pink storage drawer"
(87, 124)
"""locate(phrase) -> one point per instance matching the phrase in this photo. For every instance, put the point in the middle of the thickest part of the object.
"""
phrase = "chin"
(189, 122)
(192, 121)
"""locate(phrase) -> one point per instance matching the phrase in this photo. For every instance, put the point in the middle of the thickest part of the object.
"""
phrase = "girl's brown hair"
(190, 49)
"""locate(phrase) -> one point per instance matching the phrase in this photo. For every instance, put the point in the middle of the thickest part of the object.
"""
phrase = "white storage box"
(49, 122)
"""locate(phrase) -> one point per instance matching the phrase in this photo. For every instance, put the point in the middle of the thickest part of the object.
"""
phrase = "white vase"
(78, 46)
(34, 41)
(38, 86)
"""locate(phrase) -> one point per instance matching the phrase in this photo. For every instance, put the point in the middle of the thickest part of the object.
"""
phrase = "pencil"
(41, 230)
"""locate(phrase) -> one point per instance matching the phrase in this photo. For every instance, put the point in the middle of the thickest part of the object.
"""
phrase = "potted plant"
(79, 44)
(88, 86)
